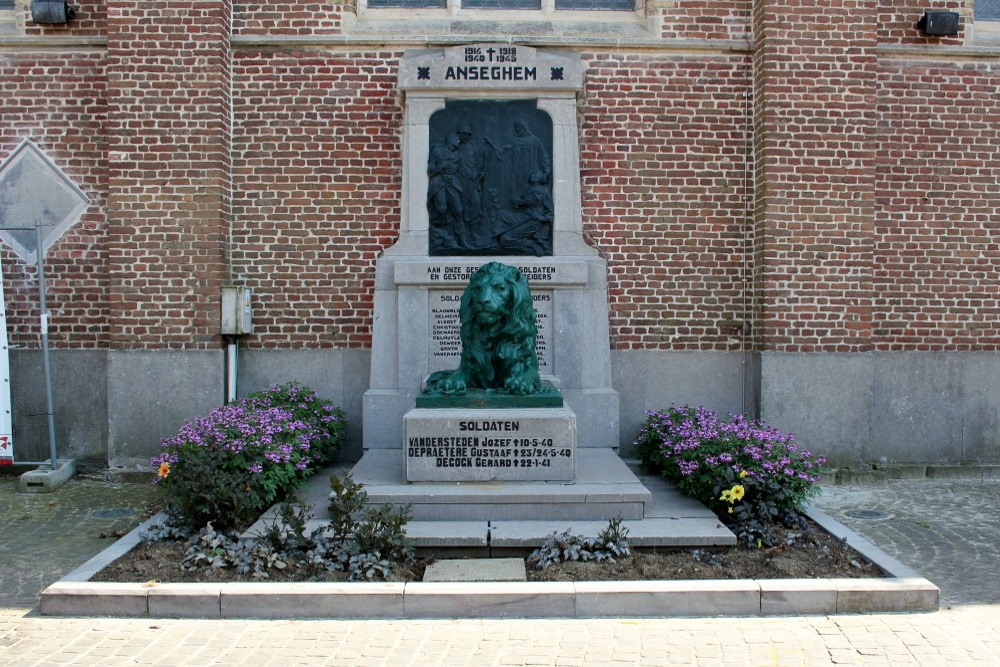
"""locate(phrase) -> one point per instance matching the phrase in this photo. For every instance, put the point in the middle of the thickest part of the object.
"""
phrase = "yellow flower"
(727, 496)
(743, 474)
(164, 470)
(730, 510)
(736, 493)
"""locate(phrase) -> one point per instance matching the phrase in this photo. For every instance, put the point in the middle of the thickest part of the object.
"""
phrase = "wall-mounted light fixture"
(939, 23)
(51, 12)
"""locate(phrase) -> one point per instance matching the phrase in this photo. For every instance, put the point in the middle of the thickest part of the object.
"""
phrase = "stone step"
(604, 483)
(531, 534)
(604, 488)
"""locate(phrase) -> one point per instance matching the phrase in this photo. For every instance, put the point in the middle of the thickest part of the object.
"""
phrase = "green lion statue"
(498, 336)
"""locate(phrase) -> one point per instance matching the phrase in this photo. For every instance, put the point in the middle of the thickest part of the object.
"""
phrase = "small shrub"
(751, 475)
(610, 544)
(364, 542)
(375, 534)
(230, 465)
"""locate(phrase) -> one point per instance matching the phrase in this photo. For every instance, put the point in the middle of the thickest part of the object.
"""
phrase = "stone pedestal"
(475, 445)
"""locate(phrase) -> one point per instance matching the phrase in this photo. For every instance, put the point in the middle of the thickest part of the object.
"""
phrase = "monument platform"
(521, 514)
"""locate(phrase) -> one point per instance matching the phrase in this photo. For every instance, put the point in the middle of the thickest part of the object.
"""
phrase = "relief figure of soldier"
(490, 179)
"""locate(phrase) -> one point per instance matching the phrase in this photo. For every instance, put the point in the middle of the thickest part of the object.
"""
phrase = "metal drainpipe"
(232, 357)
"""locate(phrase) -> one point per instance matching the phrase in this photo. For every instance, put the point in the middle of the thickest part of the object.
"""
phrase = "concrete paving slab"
(448, 533)
(857, 596)
(477, 569)
(667, 501)
(903, 470)
(420, 534)
(312, 600)
(954, 472)
(185, 601)
(75, 598)
(667, 598)
(784, 597)
(514, 511)
(489, 600)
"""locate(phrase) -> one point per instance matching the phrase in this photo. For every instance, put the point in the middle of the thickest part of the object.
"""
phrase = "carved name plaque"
(467, 445)
(490, 66)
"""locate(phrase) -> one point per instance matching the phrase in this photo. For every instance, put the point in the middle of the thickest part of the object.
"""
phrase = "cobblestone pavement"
(943, 530)
(948, 531)
(957, 637)
(45, 535)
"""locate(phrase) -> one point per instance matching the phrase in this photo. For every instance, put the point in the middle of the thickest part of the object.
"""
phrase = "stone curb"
(905, 591)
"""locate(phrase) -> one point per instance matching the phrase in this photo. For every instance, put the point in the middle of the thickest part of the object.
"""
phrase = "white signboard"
(6, 435)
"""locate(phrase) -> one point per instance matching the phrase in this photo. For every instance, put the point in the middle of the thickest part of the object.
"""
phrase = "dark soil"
(819, 556)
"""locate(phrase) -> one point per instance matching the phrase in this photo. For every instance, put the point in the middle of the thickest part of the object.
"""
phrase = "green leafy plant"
(364, 542)
(230, 465)
(610, 544)
(358, 529)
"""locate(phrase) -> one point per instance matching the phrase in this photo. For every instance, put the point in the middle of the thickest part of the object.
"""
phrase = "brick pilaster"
(169, 159)
(815, 116)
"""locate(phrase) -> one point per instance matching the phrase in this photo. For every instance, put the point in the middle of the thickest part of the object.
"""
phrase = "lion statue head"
(498, 336)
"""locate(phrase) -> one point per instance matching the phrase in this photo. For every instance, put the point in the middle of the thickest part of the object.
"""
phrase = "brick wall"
(875, 182)
(702, 19)
(814, 85)
(58, 100)
(937, 226)
(291, 17)
(316, 191)
(169, 161)
(664, 177)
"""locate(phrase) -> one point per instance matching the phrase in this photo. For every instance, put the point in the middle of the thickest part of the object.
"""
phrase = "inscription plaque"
(467, 445)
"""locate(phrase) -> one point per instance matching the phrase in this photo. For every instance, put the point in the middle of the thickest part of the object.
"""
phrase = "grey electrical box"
(237, 314)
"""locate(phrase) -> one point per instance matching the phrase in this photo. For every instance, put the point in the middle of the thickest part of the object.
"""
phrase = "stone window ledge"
(532, 27)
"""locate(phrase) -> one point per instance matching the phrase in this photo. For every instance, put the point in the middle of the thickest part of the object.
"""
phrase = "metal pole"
(44, 321)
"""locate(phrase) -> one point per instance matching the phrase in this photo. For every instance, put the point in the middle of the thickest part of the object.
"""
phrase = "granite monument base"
(477, 445)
